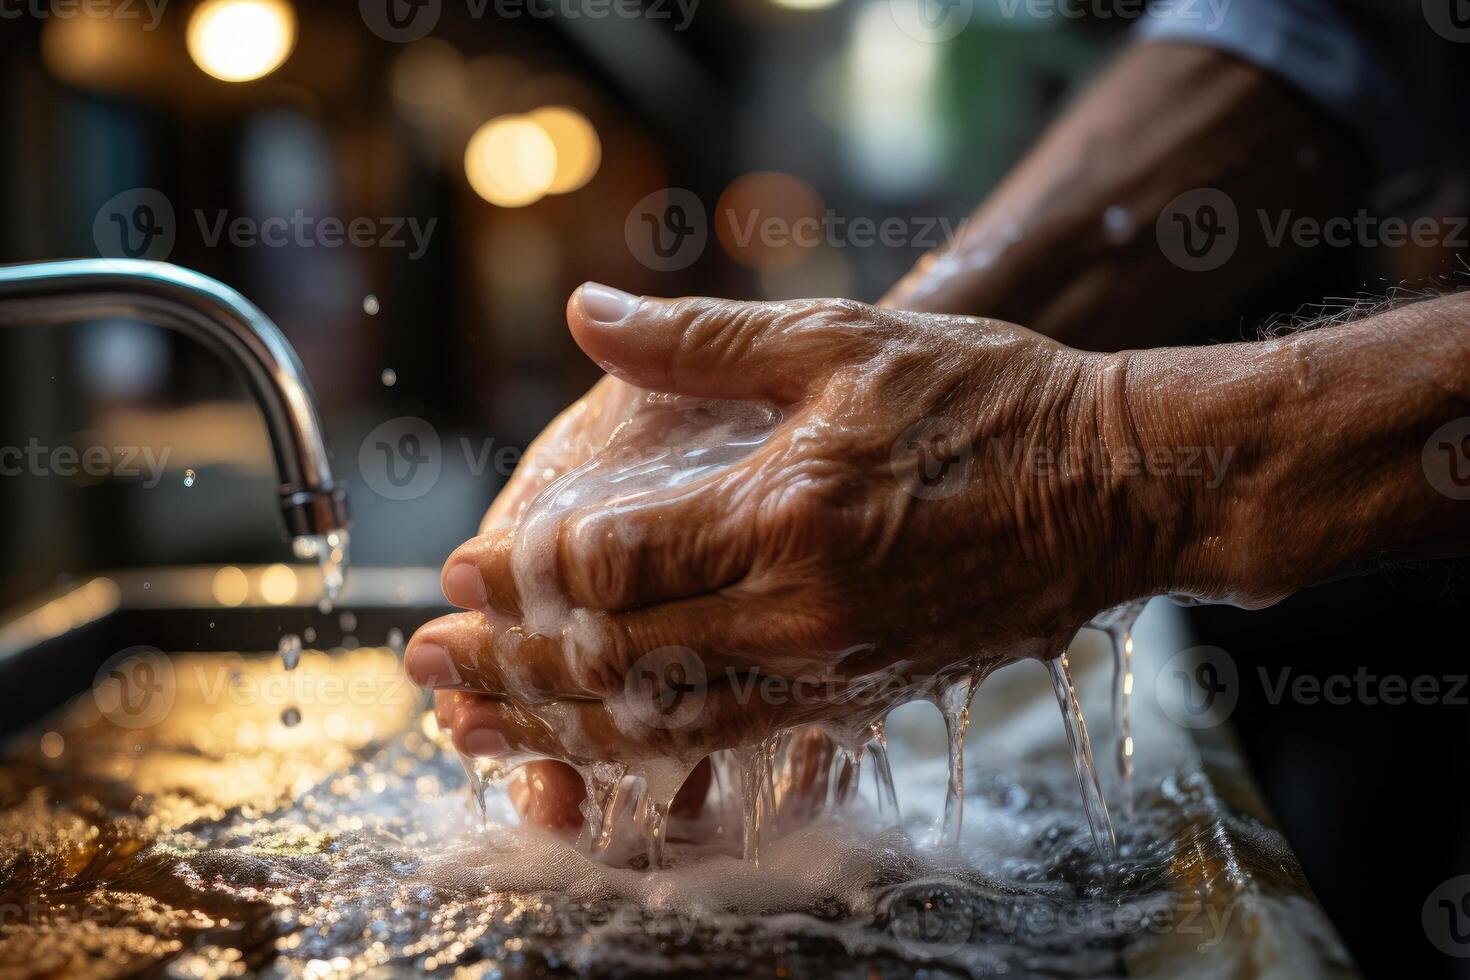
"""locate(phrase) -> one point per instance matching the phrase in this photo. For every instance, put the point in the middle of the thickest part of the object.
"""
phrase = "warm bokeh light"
(278, 584)
(428, 81)
(578, 150)
(769, 220)
(806, 4)
(241, 40)
(230, 586)
(510, 161)
(83, 50)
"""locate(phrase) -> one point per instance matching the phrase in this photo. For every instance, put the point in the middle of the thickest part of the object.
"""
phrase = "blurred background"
(412, 189)
(133, 130)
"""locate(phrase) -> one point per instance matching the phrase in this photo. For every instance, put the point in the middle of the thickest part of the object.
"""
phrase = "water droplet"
(147, 585)
(290, 651)
(370, 305)
(291, 717)
(189, 477)
(390, 377)
(1117, 224)
(395, 639)
(348, 621)
(309, 634)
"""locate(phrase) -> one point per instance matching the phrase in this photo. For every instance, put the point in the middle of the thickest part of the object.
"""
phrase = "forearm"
(1327, 437)
(1067, 243)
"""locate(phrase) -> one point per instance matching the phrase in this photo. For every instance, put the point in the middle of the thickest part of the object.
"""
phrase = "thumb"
(718, 348)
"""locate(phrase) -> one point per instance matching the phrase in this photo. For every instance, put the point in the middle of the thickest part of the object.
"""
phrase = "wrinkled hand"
(923, 504)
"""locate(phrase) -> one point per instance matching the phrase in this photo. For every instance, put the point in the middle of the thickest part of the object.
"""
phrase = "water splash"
(289, 650)
(1093, 803)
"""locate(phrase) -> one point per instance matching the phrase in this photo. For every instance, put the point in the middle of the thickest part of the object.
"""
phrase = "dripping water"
(604, 782)
(289, 650)
(954, 706)
(757, 793)
(330, 552)
(1118, 624)
(877, 750)
(1093, 803)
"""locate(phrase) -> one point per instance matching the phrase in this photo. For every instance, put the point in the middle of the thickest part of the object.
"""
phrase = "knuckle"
(599, 556)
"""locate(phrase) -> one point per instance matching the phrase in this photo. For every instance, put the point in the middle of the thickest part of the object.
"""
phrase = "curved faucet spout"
(313, 506)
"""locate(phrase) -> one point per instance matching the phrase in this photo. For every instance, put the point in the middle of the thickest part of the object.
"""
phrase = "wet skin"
(814, 557)
(1131, 141)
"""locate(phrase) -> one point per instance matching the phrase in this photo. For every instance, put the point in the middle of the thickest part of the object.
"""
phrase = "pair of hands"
(898, 508)
(925, 501)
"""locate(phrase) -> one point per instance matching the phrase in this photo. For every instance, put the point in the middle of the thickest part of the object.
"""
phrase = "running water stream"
(667, 444)
(222, 843)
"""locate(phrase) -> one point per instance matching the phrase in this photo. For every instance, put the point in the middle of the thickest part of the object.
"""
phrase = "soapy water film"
(308, 836)
(669, 446)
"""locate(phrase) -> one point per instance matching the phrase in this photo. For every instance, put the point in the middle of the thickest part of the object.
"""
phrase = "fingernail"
(485, 742)
(606, 304)
(463, 586)
(429, 666)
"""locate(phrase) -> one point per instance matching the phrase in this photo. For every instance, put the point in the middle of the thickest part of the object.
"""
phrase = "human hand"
(840, 550)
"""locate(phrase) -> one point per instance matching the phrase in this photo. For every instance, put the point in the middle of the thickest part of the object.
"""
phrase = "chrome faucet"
(313, 506)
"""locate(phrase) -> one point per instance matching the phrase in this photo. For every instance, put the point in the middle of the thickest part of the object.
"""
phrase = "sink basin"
(208, 831)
